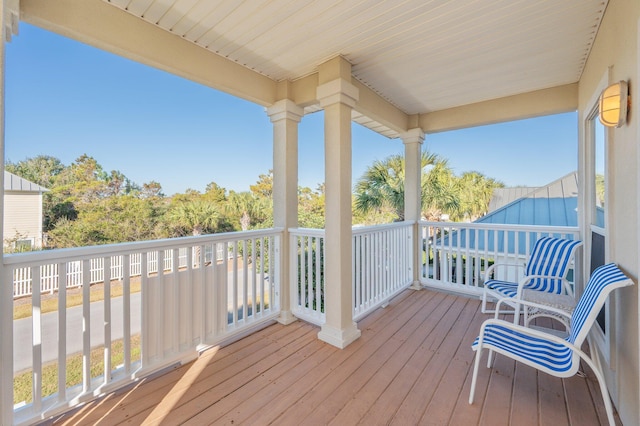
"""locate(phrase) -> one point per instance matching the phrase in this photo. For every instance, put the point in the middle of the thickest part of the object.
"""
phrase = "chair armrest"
(522, 302)
(490, 270)
(528, 278)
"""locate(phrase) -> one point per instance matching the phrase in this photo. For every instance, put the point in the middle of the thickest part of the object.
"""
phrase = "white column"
(338, 97)
(285, 116)
(412, 140)
(9, 15)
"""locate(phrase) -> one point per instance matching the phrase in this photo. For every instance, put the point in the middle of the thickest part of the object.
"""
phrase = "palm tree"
(248, 208)
(197, 216)
(382, 186)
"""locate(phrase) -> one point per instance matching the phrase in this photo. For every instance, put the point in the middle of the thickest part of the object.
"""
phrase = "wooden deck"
(411, 366)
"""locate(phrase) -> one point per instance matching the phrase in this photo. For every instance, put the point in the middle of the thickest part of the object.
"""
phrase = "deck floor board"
(412, 365)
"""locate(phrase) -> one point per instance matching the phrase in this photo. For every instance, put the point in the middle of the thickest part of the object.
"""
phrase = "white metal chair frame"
(549, 344)
(563, 299)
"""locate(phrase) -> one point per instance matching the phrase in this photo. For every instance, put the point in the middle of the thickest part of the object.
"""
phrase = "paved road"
(22, 342)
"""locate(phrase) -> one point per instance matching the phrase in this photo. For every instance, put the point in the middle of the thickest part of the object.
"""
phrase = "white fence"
(49, 275)
(382, 259)
(455, 255)
(181, 310)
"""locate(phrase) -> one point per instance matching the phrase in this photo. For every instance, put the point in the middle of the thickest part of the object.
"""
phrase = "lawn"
(23, 383)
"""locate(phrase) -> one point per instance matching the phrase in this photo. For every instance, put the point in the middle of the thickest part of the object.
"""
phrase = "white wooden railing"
(181, 310)
(381, 264)
(455, 255)
(22, 281)
(201, 302)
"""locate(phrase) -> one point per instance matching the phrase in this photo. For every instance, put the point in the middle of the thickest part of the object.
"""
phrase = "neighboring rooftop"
(555, 204)
(16, 183)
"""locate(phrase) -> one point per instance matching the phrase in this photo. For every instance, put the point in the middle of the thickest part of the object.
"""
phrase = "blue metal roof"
(555, 204)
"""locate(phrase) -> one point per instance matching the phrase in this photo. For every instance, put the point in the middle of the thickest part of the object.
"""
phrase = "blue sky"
(66, 99)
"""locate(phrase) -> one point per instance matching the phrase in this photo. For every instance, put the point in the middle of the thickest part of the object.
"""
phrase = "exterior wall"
(615, 56)
(23, 215)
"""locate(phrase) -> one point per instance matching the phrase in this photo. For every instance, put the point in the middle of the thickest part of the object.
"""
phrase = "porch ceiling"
(421, 56)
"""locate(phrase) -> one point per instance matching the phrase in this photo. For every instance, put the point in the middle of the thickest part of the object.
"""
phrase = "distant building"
(22, 213)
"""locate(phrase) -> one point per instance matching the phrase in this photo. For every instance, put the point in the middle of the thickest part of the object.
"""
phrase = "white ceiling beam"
(555, 100)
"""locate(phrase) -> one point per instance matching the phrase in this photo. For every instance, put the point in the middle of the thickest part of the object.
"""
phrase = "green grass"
(74, 298)
(23, 383)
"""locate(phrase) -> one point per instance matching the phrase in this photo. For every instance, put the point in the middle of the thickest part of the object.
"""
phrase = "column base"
(286, 318)
(416, 285)
(339, 338)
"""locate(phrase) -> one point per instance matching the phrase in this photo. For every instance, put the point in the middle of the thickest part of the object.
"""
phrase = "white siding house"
(22, 212)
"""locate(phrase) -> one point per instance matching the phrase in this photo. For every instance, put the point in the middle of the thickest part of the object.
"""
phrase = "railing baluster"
(36, 335)
(159, 306)
(62, 331)
(145, 307)
(107, 319)
(86, 326)
(126, 311)
(177, 297)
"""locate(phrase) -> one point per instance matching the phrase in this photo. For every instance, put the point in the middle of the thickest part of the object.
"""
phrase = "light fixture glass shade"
(613, 105)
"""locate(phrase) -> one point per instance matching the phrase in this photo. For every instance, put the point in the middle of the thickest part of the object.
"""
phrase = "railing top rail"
(355, 230)
(503, 227)
(79, 253)
(311, 232)
(365, 229)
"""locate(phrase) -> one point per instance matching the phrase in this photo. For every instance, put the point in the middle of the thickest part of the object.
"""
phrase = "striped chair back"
(603, 281)
(551, 257)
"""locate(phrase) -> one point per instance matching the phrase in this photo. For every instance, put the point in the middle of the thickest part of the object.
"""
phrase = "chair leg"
(484, 304)
(475, 375)
(603, 387)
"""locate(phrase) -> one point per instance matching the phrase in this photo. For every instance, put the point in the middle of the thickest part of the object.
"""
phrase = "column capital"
(413, 136)
(11, 18)
(337, 91)
(285, 109)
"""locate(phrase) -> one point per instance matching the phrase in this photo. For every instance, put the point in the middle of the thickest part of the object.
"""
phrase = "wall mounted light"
(614, 104)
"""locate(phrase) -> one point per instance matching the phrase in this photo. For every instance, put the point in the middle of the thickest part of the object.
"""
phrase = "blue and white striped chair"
(545, 272)
(546, 351)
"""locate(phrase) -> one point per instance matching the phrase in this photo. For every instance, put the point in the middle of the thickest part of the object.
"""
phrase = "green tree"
(311, 207)
(196, 216)
(476, 193)
(151, 190)
(107, 221)
(42, 169)
(264, 186)
(215, 193)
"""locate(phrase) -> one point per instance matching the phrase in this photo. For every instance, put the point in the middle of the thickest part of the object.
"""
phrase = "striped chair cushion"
(551, 257)
(546, 355)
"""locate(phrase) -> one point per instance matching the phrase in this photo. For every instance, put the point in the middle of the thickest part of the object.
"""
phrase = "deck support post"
(285, 116)
(412, 140)
(338, 96)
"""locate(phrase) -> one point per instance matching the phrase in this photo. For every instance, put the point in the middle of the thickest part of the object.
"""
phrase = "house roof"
(555, 204)
(503, 196)
(18, 184)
